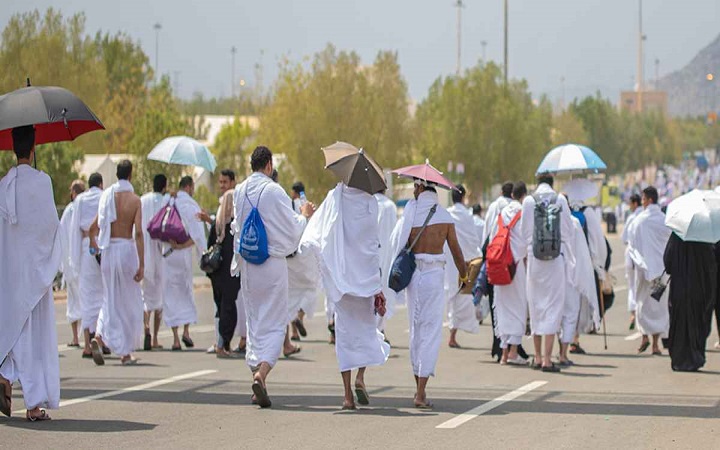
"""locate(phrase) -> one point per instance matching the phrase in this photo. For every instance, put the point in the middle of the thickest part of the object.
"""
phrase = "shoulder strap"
(515, 220)
(427, 220)
(259, 195)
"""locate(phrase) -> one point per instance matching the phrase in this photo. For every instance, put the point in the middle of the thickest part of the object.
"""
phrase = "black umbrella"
(57, 114)
(354, 167)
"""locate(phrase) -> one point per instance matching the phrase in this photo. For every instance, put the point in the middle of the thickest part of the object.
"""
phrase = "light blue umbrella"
(695, 216)
(571, 159)
(185, 151)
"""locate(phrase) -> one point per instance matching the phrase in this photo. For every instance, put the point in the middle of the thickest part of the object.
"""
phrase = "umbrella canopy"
(571, 159)
(184, 151)
(57, 114)
(695, 216)
(425, 172)
(580, 190)
(354, 168)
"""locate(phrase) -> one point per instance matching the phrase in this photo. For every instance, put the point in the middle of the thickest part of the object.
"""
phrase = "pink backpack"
(167, 225)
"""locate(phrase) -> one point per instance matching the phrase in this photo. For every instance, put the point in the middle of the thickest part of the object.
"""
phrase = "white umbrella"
(695, 216)
(185, 151)
(580, 190)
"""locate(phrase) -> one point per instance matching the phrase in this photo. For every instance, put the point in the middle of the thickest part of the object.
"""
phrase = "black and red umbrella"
(57, 114)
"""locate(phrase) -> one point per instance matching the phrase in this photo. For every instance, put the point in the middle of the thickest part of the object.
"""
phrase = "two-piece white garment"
(425, 296)
(510, 303)
(581, 313)
(31, 240)
(70, 278)
(121, 318)
(344, 235)
(546, 280)
(264, 287)
(303, 281)
(153, 284)
(179, 302)
(387, 218)
(82, 262)
(460, 307)
(629, 266)
(647, 239)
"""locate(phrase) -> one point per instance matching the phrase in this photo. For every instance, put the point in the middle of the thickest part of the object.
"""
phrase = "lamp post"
(505, 68)
(157, 27)
(233, 51)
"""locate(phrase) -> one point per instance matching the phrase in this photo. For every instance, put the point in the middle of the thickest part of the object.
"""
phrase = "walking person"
(30, 234)
(70, 279)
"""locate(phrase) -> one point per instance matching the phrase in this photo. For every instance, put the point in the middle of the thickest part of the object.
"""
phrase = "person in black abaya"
(693, 286)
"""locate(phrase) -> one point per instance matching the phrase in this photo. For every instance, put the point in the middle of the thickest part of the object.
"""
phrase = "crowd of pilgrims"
(118, 297)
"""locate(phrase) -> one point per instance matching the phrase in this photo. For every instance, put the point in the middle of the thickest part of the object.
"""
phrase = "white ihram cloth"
(179, 302)
(82, 263)
(241, 325)
(264, 287)
(387, 218)
(480, 228)
(492, 215)
(74, 310)
(629, 266)
(511, 300)
(344, 234)
(647, 239)
(425, 295)
(152, 284)
(546, 280)
(460, 308)
(31, 245)
(581, 286)
(121, 319)
(303, 281)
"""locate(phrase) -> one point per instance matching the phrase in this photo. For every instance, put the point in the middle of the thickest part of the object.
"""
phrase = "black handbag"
(211, 258)
(404, 265)
(658, 287)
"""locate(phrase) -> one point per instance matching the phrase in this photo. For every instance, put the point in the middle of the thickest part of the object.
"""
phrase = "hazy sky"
(591, 43)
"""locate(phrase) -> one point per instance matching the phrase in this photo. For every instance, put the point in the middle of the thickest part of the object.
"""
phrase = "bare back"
(129, 214)
(433, 240)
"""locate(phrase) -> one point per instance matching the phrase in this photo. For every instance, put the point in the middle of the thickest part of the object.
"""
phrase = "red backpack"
(499, 262)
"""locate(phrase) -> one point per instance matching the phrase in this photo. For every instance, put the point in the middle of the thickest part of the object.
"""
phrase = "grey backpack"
(546, 233)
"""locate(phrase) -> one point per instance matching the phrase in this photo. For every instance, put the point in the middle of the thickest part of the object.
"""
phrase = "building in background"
(651, 101)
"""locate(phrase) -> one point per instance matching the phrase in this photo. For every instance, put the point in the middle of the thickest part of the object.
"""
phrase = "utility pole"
(157, 27)
(484, 55)
(505, 68)
(176, 82)
(657, 74)
(459, 5)
(640, 76)
(233, 51)
(562, 93)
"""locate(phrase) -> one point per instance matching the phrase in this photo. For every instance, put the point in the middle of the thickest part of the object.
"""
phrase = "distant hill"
(689, 91)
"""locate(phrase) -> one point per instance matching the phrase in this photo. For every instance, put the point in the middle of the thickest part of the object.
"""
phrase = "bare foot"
(349, 405)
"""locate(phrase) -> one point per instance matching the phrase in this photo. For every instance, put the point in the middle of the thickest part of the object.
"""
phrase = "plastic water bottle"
(303, 199)
(93, 251)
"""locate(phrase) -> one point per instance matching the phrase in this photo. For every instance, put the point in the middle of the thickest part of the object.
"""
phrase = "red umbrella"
(57, 114)
(425, 172)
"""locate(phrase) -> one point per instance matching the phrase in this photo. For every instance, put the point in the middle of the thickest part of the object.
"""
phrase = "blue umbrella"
(184, 151)
(571, 159)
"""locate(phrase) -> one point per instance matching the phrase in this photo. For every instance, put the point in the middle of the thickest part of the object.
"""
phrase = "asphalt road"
(611, 399)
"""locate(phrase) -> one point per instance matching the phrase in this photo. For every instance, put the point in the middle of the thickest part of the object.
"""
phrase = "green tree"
(231, 147)
(336, 98)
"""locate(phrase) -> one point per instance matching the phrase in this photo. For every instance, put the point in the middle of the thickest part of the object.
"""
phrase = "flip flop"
(362, 395)
(130, 362)
(657, 353)
(644, 347)
(551, 369)
(575, 349)
(87, 355)
(261, 395)
(147, 345)
(106, 351)
(157, 347)
(5, 399)
(295, 351)
(454, 345)
(176, 349)
(567, 363)
(426, 406)
(349, 408)
(73, 345)
(295, 338)
(97, 354)
(43, 416)
(300, 327)
(188, 342)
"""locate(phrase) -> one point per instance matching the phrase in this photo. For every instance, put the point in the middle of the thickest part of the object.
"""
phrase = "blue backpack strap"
(259, 195)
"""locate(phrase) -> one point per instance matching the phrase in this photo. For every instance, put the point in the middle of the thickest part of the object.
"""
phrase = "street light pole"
(157, 27)
(640, 77)
(506, 44)
(233, 51)
(484, 55)
(459, 5)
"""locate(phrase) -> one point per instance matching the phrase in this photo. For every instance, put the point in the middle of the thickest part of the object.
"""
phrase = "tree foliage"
(336, 98)
(232, 146)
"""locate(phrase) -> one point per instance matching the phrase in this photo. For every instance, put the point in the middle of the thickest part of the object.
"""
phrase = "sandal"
(644, 347)
(177, 349)
(454, 345)
(147, 344)
(300, 327)
(261, 395)
(657, 353)
(5, 398)
(294, 351)
(424, 406)
(576, 349)
(551, 368)
(362, 395)
(188, 342)
(74, 345)
(349, 407)
(43, 416)
(97, 353)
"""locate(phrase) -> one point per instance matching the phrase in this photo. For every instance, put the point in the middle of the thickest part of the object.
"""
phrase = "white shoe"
(210, 350)
(517, 361)
(717, 345)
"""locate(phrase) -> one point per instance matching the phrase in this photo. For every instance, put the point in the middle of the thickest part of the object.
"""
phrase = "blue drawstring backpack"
(253, 238)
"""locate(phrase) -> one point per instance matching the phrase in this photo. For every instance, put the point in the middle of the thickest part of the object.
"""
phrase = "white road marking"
(634, 337)
(489, 406)
(140, 387)
(162, 334)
